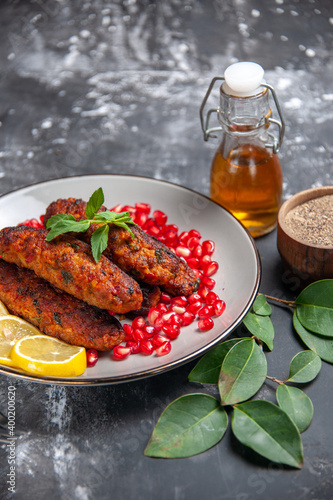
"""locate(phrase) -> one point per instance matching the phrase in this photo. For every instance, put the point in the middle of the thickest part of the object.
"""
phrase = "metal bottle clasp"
(208, 132)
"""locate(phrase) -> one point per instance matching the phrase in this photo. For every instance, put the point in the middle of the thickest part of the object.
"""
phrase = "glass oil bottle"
(246, 174)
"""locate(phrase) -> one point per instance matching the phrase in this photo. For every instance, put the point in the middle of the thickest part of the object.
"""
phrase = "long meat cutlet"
(67, 263)
(57, 313)
(144, 257)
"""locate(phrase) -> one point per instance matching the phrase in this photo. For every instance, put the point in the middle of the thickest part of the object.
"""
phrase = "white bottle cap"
(243, 79)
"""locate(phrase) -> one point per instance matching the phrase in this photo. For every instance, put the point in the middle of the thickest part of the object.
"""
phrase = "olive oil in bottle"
(246, 175)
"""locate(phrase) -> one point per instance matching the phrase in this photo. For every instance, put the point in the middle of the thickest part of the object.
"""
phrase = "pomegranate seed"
(194, 307)
(165, 298)
(167, 316)
(118, 208)
(208, 282)
(162, 238)
(149, 223)
(153, 231)
(128, 329)
(211, 297)
(178, 309)
(171, 227)
(140, 219)
(164, 349)
(138, 322)
(147, 347)
(205, 324)
(161, 307)
(138, 335)
(219, 307)
(153, 315)
(134, 346)
(183, 237)
(41, 218)
(160, 217)
(148, 331)
(171, 331)
(195, 297)
(143, 207)
(197, 251)
(205, 259)
(210, 269)
(194, 234)
(181, 300)
(158, 324)
(121, 352)
(92, 357)
(158, 340)
(208, 247)
(183, 252)
(193, 263)
(192, 243)
(171, 237)
(203, 292)
(112, 313)
(206, 311)
(187, 318)
(175, 320)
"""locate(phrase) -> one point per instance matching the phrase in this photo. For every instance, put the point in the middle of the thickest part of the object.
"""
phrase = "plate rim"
(70, 381)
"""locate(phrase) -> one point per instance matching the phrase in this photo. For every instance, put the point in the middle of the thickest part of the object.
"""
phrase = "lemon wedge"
(12, 329)
(50, 357)
(3, 308)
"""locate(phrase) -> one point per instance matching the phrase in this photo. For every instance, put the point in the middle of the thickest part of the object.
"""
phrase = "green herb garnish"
(66, 223)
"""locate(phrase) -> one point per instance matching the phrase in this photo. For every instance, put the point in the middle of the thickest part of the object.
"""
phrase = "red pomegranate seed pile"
(155, 333)
(163, 324)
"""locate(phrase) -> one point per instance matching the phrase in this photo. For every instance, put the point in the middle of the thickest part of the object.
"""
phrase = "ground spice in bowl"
(305, 236)
(312, 221)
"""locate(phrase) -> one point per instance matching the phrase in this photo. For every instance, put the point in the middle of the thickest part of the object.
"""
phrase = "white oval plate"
(237, 280)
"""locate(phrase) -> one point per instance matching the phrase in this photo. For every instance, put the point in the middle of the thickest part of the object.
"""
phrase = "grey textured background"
(115, 87)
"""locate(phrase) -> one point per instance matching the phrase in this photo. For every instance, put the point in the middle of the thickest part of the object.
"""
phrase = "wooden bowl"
(307, 262)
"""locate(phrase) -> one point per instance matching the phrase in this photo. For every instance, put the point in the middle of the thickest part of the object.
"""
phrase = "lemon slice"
(12, 329)
(3, 308)
(47, 356)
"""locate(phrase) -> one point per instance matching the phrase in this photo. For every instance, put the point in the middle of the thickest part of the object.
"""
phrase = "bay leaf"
(243, 372)
(297, 404)
(315, 318)
(189, 425)
(261, 327)
(304, 367)
(319, 293)
(268, 430)
(261, 306)
(208, 368)
(323, 346)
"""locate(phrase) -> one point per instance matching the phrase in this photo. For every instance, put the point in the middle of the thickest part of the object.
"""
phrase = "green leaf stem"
(268, 430)
(243, 372)
(296, 404)
(189, 425)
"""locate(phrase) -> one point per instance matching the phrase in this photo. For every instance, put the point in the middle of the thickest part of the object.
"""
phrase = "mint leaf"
(99, 241)
(95, 202)
(65, 223)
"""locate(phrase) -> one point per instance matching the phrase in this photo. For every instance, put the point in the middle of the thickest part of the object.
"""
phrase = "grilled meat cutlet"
(151, 296)
(67, 263)
(56, 313)
(144, 257)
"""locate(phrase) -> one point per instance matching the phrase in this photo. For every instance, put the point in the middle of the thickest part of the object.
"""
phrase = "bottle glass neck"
(244, 115)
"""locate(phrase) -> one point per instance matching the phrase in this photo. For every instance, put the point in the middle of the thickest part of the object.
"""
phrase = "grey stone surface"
(115, 87)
